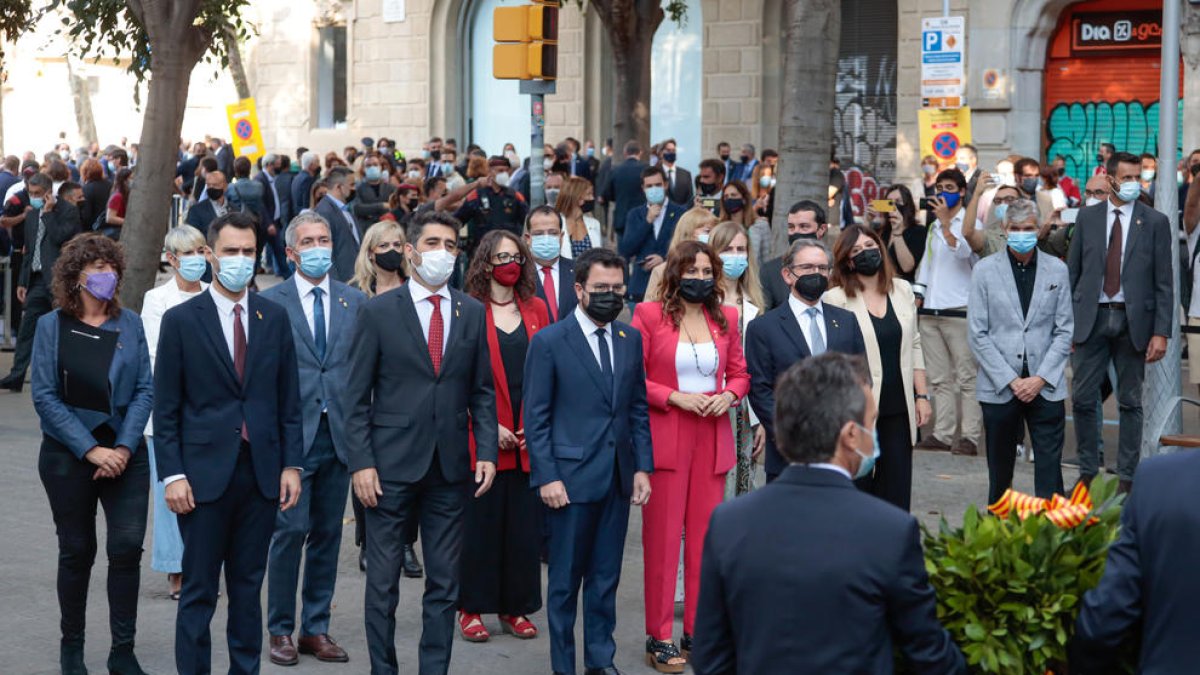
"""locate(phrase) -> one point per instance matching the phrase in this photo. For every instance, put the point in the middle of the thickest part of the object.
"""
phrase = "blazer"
(535, 317)
(578, 430)
(130, 385)
(624, 190)
(774, 342)
(401, 414)
(155, 304)
(682, 191)
(1146, 584)
(301, 187)
(322, 380)
(283, 185)
(224, 164)
(200, 404)
(345, 245)
(1003, 339)
(593, 232)
(565, 293)
(660, 340)
(638, 242)
(268, 198)
(854, 586)
(1145, 272)
(61, 223)
(911, 356)
(201, 214)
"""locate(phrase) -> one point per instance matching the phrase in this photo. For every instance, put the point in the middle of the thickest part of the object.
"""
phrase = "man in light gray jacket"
(1020, 323)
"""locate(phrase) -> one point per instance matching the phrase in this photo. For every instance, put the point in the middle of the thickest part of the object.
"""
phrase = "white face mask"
(547, 164)
(436, 266)
(1092, 201)
(502, 179)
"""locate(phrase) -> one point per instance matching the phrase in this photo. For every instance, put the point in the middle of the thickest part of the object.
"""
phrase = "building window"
(331, 77)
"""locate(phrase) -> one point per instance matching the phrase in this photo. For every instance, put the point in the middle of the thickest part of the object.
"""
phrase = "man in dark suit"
(797, 329)
(1120, 266)
(783, 588)
(805, 220)
(648, 231)
(322, 314)
(228, 441)
(624, 188)
(679, 180)
(587, 427)
(283, 187)
(224, 155)
(544, 235)
(49, 223)
(1147, 590)
(346, 237)
(273, 205)
(409, 402)
(310, 168)
(203, 213)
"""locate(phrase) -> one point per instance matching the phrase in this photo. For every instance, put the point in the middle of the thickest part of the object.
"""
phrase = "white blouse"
(696, 367)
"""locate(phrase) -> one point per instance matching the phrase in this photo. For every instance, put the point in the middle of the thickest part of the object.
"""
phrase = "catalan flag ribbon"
(1063, 512)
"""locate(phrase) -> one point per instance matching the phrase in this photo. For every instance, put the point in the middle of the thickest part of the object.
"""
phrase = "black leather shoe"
(70, 657)
(412, 565)
(121, 661)
(13, 384)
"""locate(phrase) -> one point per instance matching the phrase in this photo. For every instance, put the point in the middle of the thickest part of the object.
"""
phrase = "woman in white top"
(185, 249)
(575, 203)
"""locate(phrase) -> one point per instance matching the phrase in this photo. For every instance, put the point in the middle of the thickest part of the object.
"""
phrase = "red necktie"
(436, 330)
(239, 355)
(548, 286)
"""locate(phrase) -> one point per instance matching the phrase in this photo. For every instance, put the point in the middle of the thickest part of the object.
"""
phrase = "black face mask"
(215, 193)
(696, 290)
(811, 286)
(797, 236)
(669, 157)
(350, 197)
(1099, 158)
(746, 159)
(588, 206)
(389, 261)
(413, 203)
(868, 261)
(604, 307)
(706, 188)
(1062, 170)
(1029, 185)
(725, 157)
(734, 205)
(435, 155)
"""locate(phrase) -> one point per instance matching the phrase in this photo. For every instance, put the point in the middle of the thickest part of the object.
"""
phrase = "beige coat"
(911, 358)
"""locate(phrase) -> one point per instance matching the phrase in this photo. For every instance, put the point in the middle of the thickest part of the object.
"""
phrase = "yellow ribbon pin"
(259, 315)
(621, 333)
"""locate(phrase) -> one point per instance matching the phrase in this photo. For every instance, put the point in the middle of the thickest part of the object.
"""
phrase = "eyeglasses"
(1096, 193)
(619, 289)
(806, 268)
(1005, 200)
(505, 258)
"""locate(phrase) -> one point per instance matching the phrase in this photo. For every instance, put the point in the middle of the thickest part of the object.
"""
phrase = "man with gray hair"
(838, 589)
(310, 168)
(795, 330)
(1020, 321)
(322, 313)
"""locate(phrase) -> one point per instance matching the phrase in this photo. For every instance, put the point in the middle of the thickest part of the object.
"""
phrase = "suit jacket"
(301, 187)
(682, 191)
(638, 243)
(61, 224)
(1145, 272)
(322, 380)
(202, 214)
(1145, 589)
(842, 601)
(774, 342)
(268, 198)
(660, 341)
(283, 185)
(565, 293)
(582, 168)
(225, 162)
(401, 415)
(1004, 339)
(911, 357)
(775, 289)
(577, 429)
(345, 245)
(200, 405)
(624, 190)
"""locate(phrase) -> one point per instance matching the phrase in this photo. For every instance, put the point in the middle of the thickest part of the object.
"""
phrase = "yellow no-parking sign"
(244, 130)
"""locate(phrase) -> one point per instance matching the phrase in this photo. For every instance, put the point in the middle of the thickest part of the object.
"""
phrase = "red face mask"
(507, 274)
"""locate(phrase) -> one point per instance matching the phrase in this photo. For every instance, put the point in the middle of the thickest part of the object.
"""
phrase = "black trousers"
(38, 303)
(892, 478)
(73, 498)
(1005, 425)
(501, 572)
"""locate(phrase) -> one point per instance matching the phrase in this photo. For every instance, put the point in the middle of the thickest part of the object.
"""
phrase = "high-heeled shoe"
(70, 656)
(121, 661)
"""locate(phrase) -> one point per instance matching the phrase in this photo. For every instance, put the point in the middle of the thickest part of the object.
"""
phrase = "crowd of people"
(455, 361)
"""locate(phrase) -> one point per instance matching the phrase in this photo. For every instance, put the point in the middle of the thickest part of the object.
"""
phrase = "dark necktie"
(319, 322)
(551, 296)
(239, 355)
(436, 329)
(1112, 264)
(605, 358)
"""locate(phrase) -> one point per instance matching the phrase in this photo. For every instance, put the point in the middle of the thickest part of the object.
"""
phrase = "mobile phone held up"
(883, 205)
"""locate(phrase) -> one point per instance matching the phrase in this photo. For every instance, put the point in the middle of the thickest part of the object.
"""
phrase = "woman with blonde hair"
(697, 223)
(380, 264)
(575, 204)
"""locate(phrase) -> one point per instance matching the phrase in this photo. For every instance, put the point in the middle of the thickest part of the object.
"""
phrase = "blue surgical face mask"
(545, 246)
(1022, 242)
(37, 202)
(316, 261)
(868, 462)
(1129, 191)
(951, 198)
(192, 267)
(999, 210)
(702, 237)
(1148, 175)
(236, 272)
(734, 264)
(656, 195)
(373, 173)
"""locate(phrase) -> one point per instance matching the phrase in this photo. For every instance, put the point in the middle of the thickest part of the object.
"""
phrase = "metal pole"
(1161, 396)
(537, 90)
(945, 7)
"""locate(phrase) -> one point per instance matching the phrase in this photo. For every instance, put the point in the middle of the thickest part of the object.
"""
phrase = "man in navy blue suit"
(648, 230)
(228, 439)
(802, 327)
(623, 189)
(809, 574)
(544, 235)
(587, 427)
(1149, 587)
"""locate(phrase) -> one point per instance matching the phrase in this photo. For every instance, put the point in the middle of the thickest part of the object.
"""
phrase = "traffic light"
(527, 38)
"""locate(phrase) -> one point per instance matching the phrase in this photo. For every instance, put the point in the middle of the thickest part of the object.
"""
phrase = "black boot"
(71, 658)
(121, 661)
(412, 566)
(13, 383)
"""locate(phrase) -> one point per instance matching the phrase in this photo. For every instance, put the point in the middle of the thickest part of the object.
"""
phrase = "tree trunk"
(630, 25)
(236, 69)
(810, 49)
(84, 118)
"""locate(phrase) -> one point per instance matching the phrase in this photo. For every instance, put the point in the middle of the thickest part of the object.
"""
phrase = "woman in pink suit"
(695, 372)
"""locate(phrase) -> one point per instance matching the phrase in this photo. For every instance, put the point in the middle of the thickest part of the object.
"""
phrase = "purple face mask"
(102, 285)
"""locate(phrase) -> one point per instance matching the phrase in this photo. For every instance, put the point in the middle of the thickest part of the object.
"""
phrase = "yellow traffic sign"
(244, 129)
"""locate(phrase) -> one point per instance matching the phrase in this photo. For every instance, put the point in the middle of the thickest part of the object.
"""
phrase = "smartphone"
(712, 203)
(883, 205)
(1069, 215)
(925, 204)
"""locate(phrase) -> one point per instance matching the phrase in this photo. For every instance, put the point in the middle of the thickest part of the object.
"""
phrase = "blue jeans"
(167, 550)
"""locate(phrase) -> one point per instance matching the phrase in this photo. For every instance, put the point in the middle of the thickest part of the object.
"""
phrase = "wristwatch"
(922, 397)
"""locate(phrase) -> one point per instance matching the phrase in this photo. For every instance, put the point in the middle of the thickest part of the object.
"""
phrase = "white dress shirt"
(349, 218)
(1126, 211)
(658, 222)
(799, 309)
(589, 331)
(945, 271)
(221, 207)
(420, 298)
(826, 466)
(307, 300)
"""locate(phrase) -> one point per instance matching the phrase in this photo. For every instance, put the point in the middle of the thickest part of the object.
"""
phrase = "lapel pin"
(835, 323)
(621, 333)
(343, 301)
(258, 314)
(120, 346)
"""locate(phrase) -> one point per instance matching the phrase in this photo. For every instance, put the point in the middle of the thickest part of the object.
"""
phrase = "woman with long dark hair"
(899, 230)
(118, 202)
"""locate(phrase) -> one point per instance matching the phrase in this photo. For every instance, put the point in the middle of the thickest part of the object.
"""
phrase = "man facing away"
(835, 585)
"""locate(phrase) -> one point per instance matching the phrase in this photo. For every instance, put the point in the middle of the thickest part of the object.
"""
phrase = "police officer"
(493, 205)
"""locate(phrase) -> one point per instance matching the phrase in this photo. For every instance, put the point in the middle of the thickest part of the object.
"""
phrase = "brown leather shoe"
(931, 442)
(323, 647)
(964, 447)
(283, 651)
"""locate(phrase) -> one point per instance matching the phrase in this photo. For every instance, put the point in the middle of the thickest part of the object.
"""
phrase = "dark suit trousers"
(892, 479)
(439, 504)
(1109, 340)
(312, 528)
(235, 532)
(587, 543)
(38, 303)
(1005, 425)
(501, 570)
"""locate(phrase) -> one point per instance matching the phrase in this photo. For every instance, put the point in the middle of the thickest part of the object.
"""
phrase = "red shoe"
(472, 628)
(518, 626)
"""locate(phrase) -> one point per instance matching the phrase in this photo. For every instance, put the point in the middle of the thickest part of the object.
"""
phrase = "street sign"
(943, 132)
(244, 129)
(943, 42)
